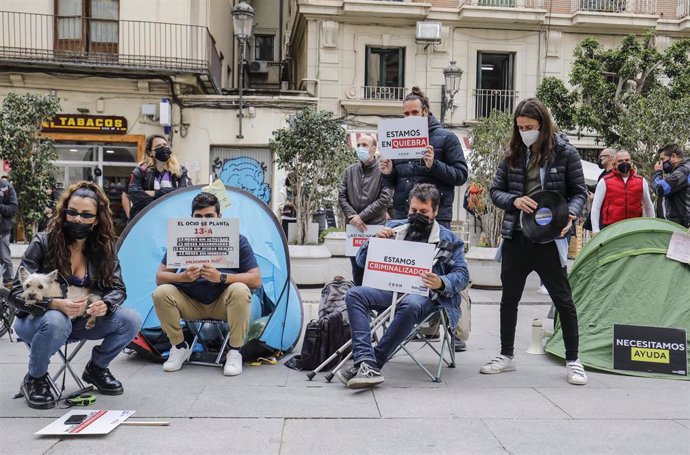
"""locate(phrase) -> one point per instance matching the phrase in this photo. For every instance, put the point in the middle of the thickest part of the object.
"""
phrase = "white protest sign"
(94, 422)
(403, 138)
(217, 188)
(193, 242)
(396, 265)
(356, 238)
(679, 247)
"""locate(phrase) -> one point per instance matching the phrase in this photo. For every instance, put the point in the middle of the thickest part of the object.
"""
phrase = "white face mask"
(363, 154)
(529, 137)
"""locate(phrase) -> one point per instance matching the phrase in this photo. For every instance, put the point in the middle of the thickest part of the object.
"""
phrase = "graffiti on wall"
(245, 173)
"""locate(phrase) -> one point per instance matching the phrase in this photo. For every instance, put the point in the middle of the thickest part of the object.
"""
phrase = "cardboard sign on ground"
(96, 422)
(404, 138)
(397, 265)
(193, 242)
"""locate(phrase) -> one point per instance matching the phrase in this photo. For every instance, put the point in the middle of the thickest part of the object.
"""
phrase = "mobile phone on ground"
(75, 419)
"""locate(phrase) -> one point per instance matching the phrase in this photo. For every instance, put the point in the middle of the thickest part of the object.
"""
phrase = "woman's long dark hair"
(543, 149)
(99, 245)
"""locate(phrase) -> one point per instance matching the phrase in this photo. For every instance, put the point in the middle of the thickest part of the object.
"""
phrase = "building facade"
(172, 67)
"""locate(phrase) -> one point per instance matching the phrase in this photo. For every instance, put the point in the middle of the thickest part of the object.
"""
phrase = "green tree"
(490, 139)
(29, 154)
(633, 96)
(314, 150)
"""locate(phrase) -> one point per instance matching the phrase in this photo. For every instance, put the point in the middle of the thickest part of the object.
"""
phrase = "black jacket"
(675, 191)
(35, 261)
(448, 171)
(8, 207)
(142, 180)
(563, 174)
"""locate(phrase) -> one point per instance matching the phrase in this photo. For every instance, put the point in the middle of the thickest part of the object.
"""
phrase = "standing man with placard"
(362, 196)
(207, 292)
(442, 162)
(444, 283)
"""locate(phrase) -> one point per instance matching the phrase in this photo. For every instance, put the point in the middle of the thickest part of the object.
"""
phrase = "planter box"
(312, 236)
(309, 264)
(335, 242)
(485, 271)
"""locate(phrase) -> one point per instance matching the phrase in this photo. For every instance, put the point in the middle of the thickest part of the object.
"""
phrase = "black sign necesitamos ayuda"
(650, 349)
(80, 123)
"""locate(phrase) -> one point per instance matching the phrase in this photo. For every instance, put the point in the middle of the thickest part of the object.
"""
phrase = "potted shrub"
(489, 141)
(313, 150)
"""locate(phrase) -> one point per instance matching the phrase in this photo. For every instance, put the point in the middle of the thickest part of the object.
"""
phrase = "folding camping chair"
(443, 254)
(218, 360)
(65, 367)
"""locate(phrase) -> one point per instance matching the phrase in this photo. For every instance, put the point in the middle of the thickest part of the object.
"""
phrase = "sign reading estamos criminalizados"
(81, 123)
(397, 265)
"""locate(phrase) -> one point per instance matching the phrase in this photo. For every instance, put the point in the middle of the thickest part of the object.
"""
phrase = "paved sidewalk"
(272, 409)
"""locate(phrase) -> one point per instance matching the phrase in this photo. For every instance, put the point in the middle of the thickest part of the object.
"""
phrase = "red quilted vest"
(623, 200)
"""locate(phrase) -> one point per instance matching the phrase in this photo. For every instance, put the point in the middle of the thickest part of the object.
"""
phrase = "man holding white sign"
(441, 163)
(362, 196)
(206, 292)
(443, 282)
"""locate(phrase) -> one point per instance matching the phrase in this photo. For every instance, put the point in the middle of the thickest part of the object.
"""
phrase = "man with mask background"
(605, 162)
(671, 180)
(445, 282)
(362, 196)
(620, 195)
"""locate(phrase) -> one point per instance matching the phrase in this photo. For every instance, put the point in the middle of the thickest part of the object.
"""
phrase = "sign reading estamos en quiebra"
(650, 349)
(80, 123)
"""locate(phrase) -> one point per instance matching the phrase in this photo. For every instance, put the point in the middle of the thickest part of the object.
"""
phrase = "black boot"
(103, 379)
(37, 392)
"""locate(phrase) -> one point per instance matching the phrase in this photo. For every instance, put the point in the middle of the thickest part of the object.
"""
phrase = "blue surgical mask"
(362, 154)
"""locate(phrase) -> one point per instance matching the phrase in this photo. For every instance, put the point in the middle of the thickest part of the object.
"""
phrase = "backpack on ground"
(323, 336)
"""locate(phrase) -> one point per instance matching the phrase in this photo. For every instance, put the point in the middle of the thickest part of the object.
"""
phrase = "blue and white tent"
(143, 243)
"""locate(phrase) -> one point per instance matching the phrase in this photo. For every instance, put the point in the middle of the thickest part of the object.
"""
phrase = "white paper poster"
(193, 242)
(217, 188)
(403, 138)
(679, 247)
(397, 265)
(94, 422)
(357, 238)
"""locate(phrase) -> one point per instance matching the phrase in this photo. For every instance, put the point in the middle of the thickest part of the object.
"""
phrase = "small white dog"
(40, 286)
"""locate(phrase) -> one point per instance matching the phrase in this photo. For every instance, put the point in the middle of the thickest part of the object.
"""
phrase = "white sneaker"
(576, 372)
(542, 290)
(233, 363)
(176, 358)
(498, 365)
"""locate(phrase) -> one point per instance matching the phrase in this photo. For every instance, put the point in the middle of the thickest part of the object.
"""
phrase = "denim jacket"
(455, 278)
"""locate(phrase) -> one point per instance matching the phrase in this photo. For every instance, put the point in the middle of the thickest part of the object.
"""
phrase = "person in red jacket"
(620, 195)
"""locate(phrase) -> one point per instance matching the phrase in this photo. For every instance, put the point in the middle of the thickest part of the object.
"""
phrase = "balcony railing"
(370, 92)
(616, 6)
(683, 9)
(505, 3)
(486, 101)
(30, 38)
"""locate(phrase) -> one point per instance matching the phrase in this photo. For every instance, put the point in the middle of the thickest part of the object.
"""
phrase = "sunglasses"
(83, 215)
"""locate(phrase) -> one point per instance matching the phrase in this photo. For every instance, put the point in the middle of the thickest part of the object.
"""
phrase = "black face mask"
(624, 168)
(668, 167)
(77, 231)
(163, 153)
(600, 163)
(419, 223)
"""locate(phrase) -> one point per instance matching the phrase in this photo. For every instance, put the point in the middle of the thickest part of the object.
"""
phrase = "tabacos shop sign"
(650, 349)
(80, 123)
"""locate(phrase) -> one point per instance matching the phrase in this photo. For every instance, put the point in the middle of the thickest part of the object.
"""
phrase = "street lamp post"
(242, 22)
(452, 75)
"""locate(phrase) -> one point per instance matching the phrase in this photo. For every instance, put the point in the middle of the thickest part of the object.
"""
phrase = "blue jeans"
(46, 334)
(410, 311)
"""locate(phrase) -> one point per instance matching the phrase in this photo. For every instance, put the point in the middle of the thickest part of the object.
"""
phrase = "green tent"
(623, 276)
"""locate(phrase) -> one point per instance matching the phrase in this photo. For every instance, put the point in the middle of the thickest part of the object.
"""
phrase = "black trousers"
(357, 272)
(521, 256)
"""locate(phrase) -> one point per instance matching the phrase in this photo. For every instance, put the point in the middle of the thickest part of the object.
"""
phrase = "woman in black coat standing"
(538, 158)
